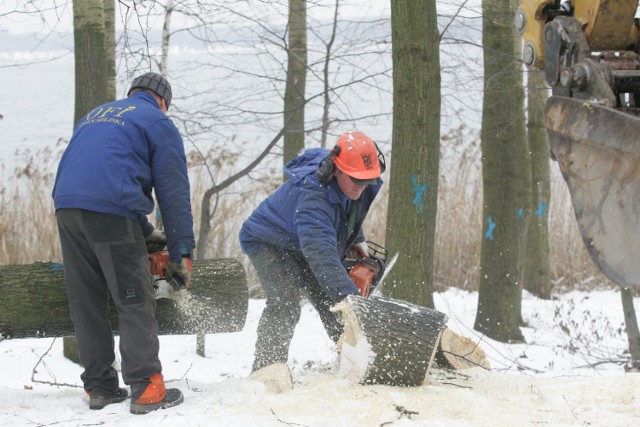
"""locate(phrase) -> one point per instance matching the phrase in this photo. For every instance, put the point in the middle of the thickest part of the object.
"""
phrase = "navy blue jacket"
(118, 153)
(309, 216)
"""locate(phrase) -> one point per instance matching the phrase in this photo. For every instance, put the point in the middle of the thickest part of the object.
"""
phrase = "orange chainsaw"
(366, 272)
(173, 290)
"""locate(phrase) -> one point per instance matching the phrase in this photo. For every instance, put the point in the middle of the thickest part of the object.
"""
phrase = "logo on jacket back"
(106, 115)
(366, 158)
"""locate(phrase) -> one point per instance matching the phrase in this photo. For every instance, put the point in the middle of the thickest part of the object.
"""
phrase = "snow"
(568, 373)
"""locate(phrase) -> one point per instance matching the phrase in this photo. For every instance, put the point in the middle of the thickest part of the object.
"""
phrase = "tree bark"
(631, 326)
(388, 341)
(537, 274)
(34, 301)
(413, 185)
(326, 89)
(296, 79)
(506, 177)
(166, 36)
(110, 46)
(94, 50)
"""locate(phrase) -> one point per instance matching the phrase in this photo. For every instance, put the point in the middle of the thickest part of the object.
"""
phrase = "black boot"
(99, 399)
(173, 397)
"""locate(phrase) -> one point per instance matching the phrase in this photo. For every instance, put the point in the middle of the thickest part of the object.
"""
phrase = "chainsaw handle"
(178, 275)
(366, 273)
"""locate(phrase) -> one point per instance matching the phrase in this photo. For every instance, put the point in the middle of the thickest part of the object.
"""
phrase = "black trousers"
(283, 275)
(105, 256)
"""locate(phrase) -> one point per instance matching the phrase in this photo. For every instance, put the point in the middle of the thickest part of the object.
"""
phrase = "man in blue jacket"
(118, 154)
(297, 238)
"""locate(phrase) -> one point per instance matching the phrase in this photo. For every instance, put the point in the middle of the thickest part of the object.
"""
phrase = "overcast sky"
(19, 16)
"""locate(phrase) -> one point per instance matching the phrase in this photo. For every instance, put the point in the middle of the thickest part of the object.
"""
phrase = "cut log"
(458, 352)
(388, 341)
(33, 301)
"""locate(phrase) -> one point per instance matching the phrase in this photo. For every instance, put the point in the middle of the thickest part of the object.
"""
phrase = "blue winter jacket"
(118, 153)
(306, 215)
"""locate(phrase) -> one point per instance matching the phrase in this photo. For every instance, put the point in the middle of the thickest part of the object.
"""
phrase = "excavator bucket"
(598, 151)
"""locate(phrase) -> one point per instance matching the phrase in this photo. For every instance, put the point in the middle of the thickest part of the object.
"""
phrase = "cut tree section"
(388, 341)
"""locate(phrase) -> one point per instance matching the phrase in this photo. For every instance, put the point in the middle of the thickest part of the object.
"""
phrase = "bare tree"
(536, 263)
(296, 77)
(166, 35)
(94, 54)
(416, 149)
(506, 173)
(246, 106)
(326, 80)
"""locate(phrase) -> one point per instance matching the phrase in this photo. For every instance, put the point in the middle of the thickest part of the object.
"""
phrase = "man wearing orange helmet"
(298, 237)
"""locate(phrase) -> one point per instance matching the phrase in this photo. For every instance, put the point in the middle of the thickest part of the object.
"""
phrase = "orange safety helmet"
(358, 156)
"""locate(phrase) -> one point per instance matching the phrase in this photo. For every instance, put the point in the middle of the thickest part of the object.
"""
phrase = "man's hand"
(358, 251)
(178, 275)
(156, 241)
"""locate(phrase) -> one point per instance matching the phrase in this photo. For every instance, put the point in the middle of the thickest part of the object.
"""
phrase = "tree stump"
(33, 301)
(388, 341)
(458, 352)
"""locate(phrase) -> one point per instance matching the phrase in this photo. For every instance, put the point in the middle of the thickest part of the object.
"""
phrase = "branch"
(35, 371)
(233, 178)
(284, 422)
(453, 18)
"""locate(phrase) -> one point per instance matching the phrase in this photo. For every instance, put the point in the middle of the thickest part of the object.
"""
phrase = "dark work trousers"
(105, 255)
(283, 274)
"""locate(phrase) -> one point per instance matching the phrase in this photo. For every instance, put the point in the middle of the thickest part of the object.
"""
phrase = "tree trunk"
(110, 46)
(34, 301)
(537, 276)
(94, 48)
(326, 89)
(296, 79)
(631, 326)
(506, 178)
(166, 36)
(388, 341)
(416, 150)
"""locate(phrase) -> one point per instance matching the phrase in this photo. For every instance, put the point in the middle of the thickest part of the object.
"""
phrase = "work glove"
(358, 251)
(178, 274)
(156, 241)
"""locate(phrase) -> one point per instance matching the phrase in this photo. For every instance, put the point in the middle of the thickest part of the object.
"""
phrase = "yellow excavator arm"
(588, 50)
(607, 24)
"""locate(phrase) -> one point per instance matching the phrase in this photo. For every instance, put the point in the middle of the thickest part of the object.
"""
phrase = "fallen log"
(388, 341)
(33, 301)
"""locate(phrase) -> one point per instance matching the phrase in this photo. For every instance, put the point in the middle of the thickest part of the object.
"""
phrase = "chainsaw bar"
(164, 290)
(388, 267)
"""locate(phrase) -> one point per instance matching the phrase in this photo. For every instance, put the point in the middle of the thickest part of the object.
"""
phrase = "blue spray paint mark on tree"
(419, 192)
(520, 212)
(542, 207)
(490, 227)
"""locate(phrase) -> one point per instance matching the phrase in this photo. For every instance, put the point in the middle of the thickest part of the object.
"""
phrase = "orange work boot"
(149, 397)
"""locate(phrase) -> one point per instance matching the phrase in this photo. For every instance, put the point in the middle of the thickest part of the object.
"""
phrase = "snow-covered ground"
(569, 373)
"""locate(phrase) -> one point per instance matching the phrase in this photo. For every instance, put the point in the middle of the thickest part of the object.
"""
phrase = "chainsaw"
(173, 290)
(366, 272)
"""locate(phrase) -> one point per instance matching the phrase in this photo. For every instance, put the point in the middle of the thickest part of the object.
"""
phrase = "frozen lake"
(211, 87)
(36, 103)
